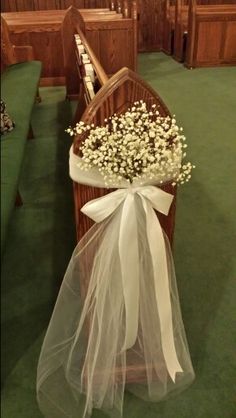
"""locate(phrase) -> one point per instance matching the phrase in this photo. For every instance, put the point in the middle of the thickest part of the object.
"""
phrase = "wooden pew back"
(27, 5)
(184, 11)
(112, 40)
(90, 72)
(116, 96)
(7, 51)
(211, 35)
(168, 25)
(181, 27)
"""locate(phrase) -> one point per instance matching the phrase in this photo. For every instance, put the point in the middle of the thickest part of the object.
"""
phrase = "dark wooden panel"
(211, 35)
(150, 25)
(150, 14)
(229, 51)
(44, 50)
(180, 27)
(206, 32)
(175, 21)
(42, 32)
(112, 39)
(92, 4)
(168, 25)
(113, 43)
(24, 5)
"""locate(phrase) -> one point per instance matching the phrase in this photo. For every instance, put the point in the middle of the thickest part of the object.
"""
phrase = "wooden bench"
(190, 40)
(168, 26)
(180, 29)
(90, 73)
(108, 96)
(211, 35)
(107, 44)
(41, 30)
(104, 28)
(117, 30)
(30, 5)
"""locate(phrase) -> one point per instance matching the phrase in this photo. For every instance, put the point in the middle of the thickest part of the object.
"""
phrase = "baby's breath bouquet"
(139, 145)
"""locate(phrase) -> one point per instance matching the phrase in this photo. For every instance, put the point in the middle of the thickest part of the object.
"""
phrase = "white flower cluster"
(137, 145)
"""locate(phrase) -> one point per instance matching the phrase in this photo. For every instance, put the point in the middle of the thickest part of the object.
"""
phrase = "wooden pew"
(114, 39)
(88, 75)
(42, 30)
(211, 35)
(109, 96)
(184, 22)
(115, 95)
(168, 26)
(30, 5)
(107, 42)
(180, 28)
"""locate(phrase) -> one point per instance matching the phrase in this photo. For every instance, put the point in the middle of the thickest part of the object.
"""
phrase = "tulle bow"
(151, 198)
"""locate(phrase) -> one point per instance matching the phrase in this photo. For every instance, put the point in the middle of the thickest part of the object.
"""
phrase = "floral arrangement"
(139, 145)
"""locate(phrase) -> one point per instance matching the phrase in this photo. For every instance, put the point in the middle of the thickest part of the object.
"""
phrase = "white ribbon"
(151, 198)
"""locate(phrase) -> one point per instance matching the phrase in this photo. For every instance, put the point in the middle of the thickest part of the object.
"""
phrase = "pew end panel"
(113, 43)
(110, 43)
(180, 28)
(113, 38)
(90, 72)
(168, 26)
(71, 19)
(205, 24)
(116, 96)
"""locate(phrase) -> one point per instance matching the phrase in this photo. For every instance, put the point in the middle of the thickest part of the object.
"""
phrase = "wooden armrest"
(23, 53)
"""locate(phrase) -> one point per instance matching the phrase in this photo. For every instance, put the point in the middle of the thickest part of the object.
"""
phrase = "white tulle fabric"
(130, 318)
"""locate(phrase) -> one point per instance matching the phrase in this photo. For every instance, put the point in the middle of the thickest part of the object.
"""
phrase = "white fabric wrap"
(152, 198)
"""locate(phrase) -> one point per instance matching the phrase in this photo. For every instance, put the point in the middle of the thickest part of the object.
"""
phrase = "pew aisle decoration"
(138, 146)
(131, 309)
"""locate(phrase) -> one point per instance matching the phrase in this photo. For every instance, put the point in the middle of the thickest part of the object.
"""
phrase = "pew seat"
(19, 86)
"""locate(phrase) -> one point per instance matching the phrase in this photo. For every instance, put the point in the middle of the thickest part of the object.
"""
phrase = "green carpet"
(42, 236)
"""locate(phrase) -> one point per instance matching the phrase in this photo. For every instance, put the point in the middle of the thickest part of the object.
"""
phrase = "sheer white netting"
(85, 360)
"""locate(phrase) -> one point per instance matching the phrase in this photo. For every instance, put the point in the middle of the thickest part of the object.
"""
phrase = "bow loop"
(102, 207)
(160, 200)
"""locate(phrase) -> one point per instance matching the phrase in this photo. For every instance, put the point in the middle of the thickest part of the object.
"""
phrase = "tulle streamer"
(130, 317)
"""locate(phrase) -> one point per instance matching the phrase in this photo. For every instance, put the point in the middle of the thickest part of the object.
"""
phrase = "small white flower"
(152, 134)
